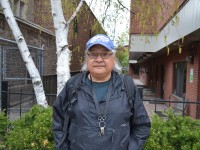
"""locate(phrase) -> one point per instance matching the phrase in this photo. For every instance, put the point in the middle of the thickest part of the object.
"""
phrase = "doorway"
(162, 80)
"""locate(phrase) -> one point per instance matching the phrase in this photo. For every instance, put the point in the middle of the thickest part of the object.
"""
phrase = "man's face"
(97, 65)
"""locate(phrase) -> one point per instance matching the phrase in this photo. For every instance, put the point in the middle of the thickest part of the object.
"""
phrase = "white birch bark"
(63, 52)
(34, 74)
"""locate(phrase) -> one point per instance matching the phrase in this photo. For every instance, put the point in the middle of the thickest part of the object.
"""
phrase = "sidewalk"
(152, 107)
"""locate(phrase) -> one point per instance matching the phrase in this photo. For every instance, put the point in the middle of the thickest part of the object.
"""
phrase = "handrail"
(187, 102)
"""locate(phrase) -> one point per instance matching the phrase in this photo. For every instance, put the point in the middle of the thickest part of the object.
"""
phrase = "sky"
(122, 23)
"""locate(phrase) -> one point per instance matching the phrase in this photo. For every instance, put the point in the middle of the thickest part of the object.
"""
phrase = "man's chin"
(99, 67)
(99, 72)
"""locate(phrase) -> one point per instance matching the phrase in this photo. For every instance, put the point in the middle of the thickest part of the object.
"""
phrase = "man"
(99, 116)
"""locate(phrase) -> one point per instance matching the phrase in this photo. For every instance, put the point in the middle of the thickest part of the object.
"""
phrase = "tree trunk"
(63, 52)
(26, 56)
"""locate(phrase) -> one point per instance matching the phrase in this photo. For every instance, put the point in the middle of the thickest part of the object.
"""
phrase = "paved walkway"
(152, 108)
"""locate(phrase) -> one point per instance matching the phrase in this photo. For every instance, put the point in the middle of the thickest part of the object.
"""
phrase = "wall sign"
(191, 75)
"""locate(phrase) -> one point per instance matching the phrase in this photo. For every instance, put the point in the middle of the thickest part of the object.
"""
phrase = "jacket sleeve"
(140, 124)
(60, 121)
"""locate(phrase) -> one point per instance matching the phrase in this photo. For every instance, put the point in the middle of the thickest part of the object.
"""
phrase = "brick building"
(36, 24)
(82, 28)
(166, 56)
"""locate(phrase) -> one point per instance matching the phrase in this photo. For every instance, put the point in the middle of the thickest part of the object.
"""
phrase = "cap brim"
(97, 43)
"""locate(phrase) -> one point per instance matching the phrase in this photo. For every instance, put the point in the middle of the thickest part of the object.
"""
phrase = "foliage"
(122, 51)
(3, 129)
(32, 131)
(112, 14)
(149, 14)
(122, 39)
(150, 17)
(175, 133)
(123, 57)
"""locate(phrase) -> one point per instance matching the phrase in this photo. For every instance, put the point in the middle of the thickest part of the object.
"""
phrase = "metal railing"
(23, 103)
(169, 103)
(179, 105)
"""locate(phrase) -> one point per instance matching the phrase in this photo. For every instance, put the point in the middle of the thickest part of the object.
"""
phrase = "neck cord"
(99, 113)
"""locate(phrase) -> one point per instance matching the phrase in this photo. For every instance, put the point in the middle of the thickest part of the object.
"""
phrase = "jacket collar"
(114, 76)
(115, 81)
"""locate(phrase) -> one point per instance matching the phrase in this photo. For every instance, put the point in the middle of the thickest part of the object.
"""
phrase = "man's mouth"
(99, 66)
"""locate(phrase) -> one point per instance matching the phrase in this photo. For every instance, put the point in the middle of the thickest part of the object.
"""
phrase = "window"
(19, 9)
(179, 79)
(16, 7)
(136, 70)
(157, 71)
(21, 12)
(75, 25)
(2, 24)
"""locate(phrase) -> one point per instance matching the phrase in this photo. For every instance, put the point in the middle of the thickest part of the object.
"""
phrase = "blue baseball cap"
(100, 39)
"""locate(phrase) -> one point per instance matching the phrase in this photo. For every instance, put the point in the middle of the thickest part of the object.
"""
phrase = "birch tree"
(26, 56)
(63, 53)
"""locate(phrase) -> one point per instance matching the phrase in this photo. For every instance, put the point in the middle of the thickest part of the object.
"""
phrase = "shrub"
(32, 131)
(3, 129)
(175, 133)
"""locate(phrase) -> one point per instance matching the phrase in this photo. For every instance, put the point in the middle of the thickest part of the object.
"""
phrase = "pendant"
(102, 125)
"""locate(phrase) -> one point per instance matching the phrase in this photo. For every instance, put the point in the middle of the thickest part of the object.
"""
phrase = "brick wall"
(198, 82)
(192, 92)
(42, 15)
(150, 16)
(30, 12)
(33, 37)
(153, 76)
(79, 37)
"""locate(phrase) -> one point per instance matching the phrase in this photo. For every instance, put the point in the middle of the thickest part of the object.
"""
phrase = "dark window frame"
(179, 78)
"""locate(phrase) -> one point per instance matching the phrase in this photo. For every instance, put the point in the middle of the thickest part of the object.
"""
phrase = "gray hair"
(117, 67)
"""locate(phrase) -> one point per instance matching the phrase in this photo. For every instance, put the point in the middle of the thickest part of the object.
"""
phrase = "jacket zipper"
(113, 133)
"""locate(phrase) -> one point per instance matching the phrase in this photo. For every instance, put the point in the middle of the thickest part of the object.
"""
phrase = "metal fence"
(22, 104)
(177, 107)
(25, 101)
(50, 86)
(13, 69)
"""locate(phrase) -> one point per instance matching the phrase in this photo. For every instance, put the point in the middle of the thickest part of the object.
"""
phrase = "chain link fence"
(19, 88)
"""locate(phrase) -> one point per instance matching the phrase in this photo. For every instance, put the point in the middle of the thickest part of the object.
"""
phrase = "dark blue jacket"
(75, 126)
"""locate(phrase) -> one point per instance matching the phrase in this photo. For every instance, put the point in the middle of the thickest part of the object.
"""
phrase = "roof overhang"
(132, 61)
(189, 21)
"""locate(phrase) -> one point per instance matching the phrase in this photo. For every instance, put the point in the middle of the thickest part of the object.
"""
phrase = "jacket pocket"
(93, 141)
(74, 137)
(125, 135)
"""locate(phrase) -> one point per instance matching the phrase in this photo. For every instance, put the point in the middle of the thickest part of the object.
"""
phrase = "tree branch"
(105, 12)
(76, 12)
(125, 7)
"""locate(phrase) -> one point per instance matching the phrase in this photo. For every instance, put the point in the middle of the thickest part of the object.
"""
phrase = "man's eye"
(93, 54)
(104, 54)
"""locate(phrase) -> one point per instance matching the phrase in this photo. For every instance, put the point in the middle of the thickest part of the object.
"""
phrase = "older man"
(98, 115)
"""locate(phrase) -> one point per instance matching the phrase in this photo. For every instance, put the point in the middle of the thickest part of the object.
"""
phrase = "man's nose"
(99, 58)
